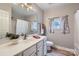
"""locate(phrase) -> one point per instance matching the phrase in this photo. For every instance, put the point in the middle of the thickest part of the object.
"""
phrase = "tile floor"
(60, 52)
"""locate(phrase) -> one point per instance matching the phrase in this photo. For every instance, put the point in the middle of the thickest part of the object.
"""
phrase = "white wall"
(58, 37)
(76, 29)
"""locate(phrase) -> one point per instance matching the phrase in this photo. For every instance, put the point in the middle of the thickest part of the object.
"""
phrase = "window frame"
(52, 29)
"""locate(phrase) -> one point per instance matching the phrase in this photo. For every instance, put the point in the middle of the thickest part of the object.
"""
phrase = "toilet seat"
(49, 43)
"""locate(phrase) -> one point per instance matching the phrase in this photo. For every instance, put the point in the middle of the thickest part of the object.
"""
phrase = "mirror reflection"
(19, 21)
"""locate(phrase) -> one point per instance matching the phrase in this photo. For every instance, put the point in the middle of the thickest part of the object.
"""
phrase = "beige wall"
(58, 37)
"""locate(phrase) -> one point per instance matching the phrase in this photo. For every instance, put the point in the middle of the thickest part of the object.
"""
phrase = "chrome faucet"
(25, 36)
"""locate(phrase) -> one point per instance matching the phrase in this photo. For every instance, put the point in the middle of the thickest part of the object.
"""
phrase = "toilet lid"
(49, 43)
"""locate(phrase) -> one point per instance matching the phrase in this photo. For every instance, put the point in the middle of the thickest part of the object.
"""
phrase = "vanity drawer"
(30, 51)
(39, 44)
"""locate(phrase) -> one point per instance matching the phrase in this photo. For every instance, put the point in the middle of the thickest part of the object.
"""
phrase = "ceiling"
(46, 6)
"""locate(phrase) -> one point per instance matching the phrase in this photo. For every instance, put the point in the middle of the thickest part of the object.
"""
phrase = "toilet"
(49, 45)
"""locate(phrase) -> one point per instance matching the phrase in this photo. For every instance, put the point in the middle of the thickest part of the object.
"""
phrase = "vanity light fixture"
(28, 6)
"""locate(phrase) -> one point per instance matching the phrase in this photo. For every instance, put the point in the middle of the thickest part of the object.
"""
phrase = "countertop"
(11, 49)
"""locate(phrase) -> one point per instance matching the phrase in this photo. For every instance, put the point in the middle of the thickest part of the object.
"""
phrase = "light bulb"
(22, 5)
(25, 4)
(30, 7)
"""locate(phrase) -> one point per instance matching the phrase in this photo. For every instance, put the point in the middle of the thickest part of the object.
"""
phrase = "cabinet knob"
(37, 50)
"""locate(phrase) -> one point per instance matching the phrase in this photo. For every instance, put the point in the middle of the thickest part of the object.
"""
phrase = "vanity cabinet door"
(40, 48)
(40, 51)
(33, 54)
(45, 46)
(30, 51)
(39, 44)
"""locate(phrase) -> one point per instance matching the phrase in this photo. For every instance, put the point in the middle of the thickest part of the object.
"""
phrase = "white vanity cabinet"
(28, 47)
(39, 48)
(35, 50)
(30, 51)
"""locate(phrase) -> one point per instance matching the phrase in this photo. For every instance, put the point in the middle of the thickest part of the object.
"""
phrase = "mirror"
(22, 27)
(17, 20)
(34, 24)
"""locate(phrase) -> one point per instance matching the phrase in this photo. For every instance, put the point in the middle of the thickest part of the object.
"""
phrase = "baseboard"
(64, 50)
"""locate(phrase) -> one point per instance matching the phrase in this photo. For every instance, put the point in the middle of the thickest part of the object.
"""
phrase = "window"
(55, 24)
(60, 23)
(34, 27)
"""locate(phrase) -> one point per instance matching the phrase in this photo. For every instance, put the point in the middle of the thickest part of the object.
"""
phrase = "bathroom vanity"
(28, 47)
(20, 23)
